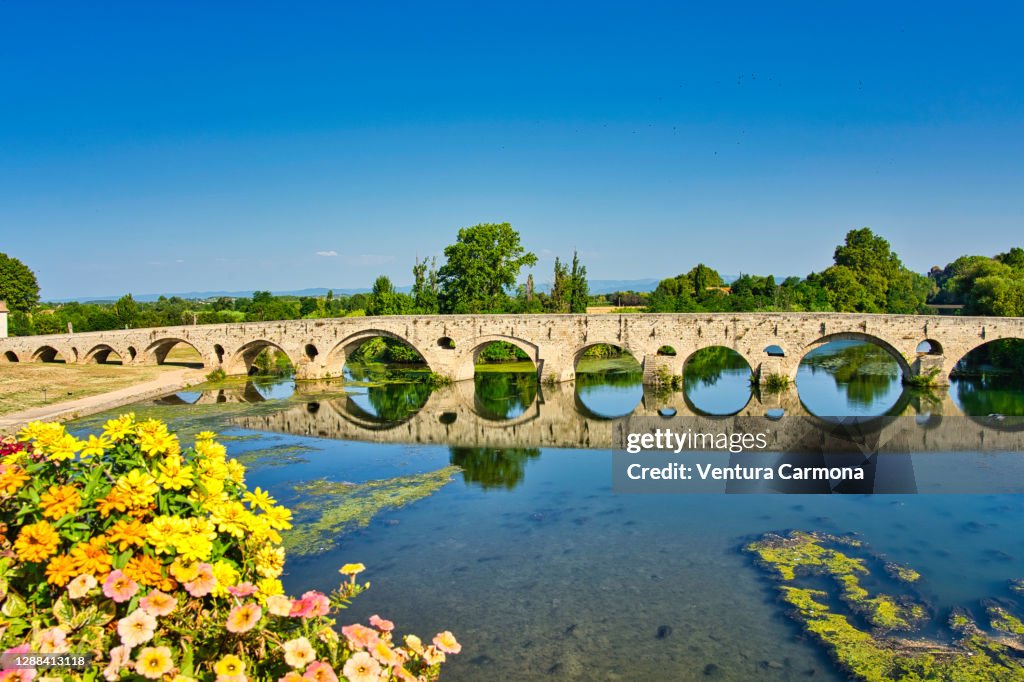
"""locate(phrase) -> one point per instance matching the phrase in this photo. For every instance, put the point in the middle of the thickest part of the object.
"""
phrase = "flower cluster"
(164, 565)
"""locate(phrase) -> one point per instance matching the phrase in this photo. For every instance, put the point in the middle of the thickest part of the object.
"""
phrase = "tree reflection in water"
(504, 395)
(864, 371)
(493, 467)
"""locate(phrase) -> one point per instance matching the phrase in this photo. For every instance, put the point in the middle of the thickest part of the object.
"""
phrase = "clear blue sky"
(182, 146)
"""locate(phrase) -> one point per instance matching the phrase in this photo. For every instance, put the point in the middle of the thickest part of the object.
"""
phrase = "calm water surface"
(527, 555)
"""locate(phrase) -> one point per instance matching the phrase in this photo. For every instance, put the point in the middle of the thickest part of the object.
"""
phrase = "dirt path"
(165, 382)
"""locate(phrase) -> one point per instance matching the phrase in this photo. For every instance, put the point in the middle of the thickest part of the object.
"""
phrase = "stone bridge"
(771, 343)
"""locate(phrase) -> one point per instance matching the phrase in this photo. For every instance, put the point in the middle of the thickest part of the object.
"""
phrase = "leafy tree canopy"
(481, 267)
(18, 285)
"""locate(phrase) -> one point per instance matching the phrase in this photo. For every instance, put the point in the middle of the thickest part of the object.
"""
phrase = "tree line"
(481, 274)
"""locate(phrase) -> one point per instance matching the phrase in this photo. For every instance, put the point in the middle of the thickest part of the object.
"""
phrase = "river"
(524, 551)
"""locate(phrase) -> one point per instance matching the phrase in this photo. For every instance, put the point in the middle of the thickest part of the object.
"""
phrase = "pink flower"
(203, 583)
(360, 636)
(158, 603)
(119, 587)
(242, 590)
(321, 605)
(320, 671)
(244, 618)
(311, 605)
(361, 668)
(279, 605)
(381, 624)
(446, 642)
(18, 674)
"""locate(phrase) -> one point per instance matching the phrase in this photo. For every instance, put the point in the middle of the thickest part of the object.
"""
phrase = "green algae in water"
(798, 561)
(276, 456)
(328, 508)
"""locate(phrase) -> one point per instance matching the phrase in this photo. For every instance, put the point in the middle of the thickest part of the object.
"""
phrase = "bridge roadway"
(771, 343)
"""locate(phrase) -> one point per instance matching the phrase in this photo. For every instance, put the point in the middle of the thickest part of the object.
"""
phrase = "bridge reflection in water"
(557, 418)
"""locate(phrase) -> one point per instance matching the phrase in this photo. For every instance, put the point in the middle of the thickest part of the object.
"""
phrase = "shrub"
(776, 382)
(217, 375)
(161, 563)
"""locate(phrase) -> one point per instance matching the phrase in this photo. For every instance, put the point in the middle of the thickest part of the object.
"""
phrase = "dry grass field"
(26, 385)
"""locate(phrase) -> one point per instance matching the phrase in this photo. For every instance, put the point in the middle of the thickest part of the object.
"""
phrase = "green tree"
(126, 311)
(18, 285)
(481, 266)
(384, 300)
(560, 289)
(579, 288)
(425, 287)
(868, 277)
(1013, 258)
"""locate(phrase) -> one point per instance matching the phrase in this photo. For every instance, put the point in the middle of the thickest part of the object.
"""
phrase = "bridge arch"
(961, 353)
(100, 354)
(890, 348)
(475, 346)
(339, 353)
(48, 353)
(158, 350)
(11, 356)
(241, 361)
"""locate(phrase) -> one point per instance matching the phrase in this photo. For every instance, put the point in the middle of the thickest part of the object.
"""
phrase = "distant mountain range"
(597, 286)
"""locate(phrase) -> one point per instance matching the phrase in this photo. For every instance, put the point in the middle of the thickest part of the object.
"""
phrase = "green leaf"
(14, 606)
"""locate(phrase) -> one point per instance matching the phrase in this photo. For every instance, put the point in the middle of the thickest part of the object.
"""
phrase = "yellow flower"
(36, 542)
(270, 587)
(127, 534)
(174, 476)
(229, 666)
(59, 501)
(194, 547)
(183, 570)
(154, 662)
(165, 533)
(205, 435)
(226, 576)
(120, 428)
(231, 518)
(209, 451)
(236, 471)
(138, 488)
(279, 518)
(60, 570)
(96, 446)
(352, 569)
(259, 499)
(154, 439)
(66, 447)
(269, 561)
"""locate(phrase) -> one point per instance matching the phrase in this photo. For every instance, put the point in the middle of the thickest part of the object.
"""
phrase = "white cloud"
(327, 254)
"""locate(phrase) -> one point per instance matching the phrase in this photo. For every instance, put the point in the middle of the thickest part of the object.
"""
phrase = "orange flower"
(59, 501)
(145, 570)
(36, 542)
(60, 570)
(127, 534)
(92, 557)
(113, 501)
(12, 478)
